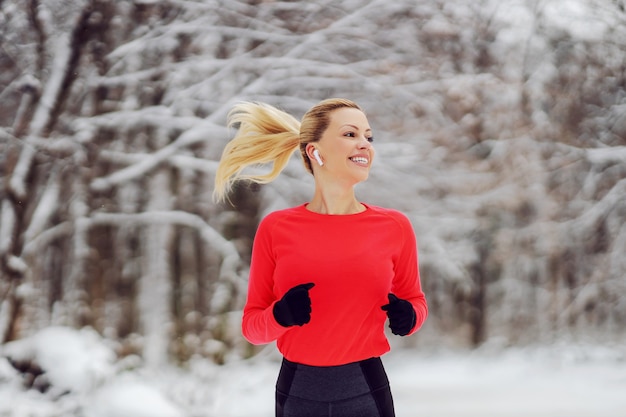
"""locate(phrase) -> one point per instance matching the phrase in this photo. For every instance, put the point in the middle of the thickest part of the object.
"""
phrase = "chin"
(361, 179)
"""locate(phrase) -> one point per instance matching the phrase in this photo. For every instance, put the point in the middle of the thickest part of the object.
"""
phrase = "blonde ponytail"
(265, 135)
(269, 135)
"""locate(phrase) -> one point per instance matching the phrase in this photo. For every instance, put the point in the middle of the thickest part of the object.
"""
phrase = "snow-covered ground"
(559, 381)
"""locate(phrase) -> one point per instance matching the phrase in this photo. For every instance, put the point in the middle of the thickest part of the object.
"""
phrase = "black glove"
(294, 309)
(401, 315)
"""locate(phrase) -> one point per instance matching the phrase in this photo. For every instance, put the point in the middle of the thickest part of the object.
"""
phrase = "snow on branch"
(7, 224)
(602, 207)
(231, 260)
(179, 161)
(52, 88)
(230, 256)
(602, 155)
(59, 147)
(225, 248)
(62, 69)
(17, 182)
(130, 119)
(199, 133)
(44, 238)
(349, 21)
(17, 264)
(138, 45)
(45, 209)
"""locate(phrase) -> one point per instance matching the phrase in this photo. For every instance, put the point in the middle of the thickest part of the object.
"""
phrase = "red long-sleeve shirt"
(354, 260)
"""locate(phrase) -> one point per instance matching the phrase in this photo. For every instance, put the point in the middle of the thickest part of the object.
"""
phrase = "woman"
(325, 275)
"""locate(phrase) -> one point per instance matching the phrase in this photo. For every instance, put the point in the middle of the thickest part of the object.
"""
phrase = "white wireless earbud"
(316, 155)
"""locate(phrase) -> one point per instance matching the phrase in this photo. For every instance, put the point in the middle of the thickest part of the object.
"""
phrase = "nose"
(364, 143)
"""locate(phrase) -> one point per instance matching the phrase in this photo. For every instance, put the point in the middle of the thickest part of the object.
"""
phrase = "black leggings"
(359, 389)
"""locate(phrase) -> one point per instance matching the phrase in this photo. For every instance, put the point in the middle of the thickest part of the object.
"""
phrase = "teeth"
(359, 160)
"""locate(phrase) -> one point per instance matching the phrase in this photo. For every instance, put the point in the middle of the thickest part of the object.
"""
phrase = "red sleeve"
(406, 282)
(258, 323)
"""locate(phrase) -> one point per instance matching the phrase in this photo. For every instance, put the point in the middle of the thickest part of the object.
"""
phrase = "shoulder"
(278, 216)
(395, 222)
(392, 220)
(390, 214)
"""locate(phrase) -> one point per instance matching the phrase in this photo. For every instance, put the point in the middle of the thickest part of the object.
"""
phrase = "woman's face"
(346, 146)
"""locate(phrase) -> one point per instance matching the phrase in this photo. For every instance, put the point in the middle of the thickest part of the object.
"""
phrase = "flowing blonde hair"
(268, 135)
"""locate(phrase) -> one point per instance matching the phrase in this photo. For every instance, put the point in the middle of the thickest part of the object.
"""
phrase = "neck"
(334, 202)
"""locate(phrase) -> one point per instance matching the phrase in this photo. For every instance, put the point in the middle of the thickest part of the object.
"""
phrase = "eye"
(370, 139)
(350, 134)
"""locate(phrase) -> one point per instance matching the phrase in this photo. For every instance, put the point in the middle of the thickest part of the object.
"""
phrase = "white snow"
(556, 381)
(74, 360)
(129, 397)
(87, 380)
(580, 18)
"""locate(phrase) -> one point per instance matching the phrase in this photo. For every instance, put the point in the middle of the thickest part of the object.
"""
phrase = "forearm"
(260, 327)
(421, 311)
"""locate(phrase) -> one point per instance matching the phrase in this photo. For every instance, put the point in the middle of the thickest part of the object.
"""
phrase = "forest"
(500, 131)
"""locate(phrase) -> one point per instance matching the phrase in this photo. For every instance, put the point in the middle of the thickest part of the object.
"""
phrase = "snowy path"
(510, 385)
(507, 387)
(556, 381)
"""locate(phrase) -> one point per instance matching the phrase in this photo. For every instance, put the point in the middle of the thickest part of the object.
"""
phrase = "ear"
(309, 151)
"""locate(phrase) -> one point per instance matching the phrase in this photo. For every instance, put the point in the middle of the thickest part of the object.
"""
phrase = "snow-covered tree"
(500, 130)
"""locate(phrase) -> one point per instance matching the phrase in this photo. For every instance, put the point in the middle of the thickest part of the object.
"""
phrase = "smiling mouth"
(360, 160)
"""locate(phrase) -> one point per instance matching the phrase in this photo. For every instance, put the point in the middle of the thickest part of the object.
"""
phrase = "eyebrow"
(356, 127)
